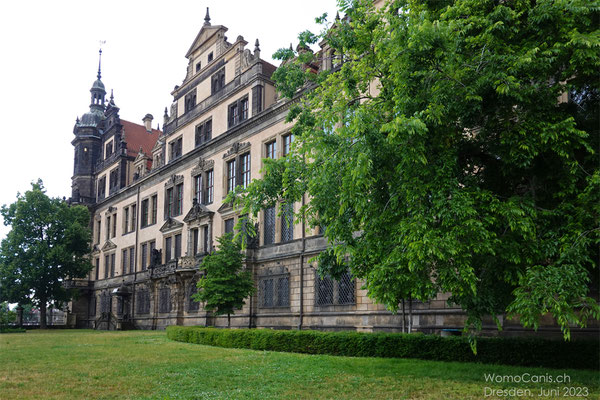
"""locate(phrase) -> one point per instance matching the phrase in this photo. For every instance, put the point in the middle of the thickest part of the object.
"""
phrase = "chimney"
(148, 122)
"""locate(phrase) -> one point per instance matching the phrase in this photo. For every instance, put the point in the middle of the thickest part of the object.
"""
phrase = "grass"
(79, 364)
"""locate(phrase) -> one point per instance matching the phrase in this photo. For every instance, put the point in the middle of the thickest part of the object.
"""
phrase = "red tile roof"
(137, 136)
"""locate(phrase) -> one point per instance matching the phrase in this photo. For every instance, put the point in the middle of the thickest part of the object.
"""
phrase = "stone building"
(156, 198)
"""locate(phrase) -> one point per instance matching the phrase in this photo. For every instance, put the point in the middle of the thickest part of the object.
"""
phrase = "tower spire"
(207, 18)
(99, 63)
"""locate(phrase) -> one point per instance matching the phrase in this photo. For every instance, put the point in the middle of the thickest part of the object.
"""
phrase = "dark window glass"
(190, 100)
(168, 243)
(169, 203)
(131, 260)
(178, 200)
(229, 225)
(205, 237)
(245, 162)
(192, 304)
(269, 225)
(112, 265)
(154, 209)
(231, 167)
(218, 81)
(177, 246)
(106, 266)
(209, 186)
(198, 185)
(283, 291)
(195, 241)
(267, 292)
(271, 148)
(125, 260)
(145, 213)
(144, 256)
(324, 291)
(164, 300)
(287, 144)
(97, 268)
(287, 222)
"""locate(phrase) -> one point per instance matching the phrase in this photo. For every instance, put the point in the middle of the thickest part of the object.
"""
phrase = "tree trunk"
(228, 320)
(410, 315)
(403, 318)
(43, 314)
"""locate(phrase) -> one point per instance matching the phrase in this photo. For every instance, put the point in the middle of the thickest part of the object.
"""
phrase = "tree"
(442, 154)
(7, 316)
(226, 283)
(49, 242)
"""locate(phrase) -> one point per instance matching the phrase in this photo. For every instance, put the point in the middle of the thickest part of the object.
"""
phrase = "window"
(92, 310)
(275, 291)
(108, 150)
(178, 210)
(269, 237)
(195, 241)
(168, 244)
(131, 260)
(257, 99)
(125, 260)
(205, 238)
(129, 218)
(178, 246)
(237, 112)
(97, 268)
(154, 203)
(287, 222)
(145, 212)
(218, 81)
(164, 300)
(245, 163)
(113, 182)
(332, 292)
(229, 225)
(231, 175)
(152, 245)
(209, 186)
(108, 227)
(271, 150)
(190, 100)
(133, 220)
(101, 188)
(176, 147)
(198, 188)
(210, 56)
(287, 144)
(114, 225)
(143, 301)
(98, 231)
(198, 66)
(193, 305)
(125, 220)
(203, 132)
(169, 201)
(112, 265)
(144, 256)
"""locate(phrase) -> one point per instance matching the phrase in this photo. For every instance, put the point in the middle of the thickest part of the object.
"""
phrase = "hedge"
(529, 352)
(12, 330)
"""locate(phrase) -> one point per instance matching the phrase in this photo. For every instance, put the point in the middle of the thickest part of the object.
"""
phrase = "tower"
(88, 143)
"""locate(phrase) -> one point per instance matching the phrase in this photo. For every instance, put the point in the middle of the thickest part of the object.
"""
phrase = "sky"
(49, 53)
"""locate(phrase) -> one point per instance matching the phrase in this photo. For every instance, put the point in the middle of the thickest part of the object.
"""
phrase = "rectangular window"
(169, 201)
(108, 227)
(132, 260)
(287, 222)
(114, 225)
(154, 209)
(205, 238)
(198, 66)
(108, 150)
(198, 186)
(113, 183)
(190, 100)
(98, 231)
(125, 220)
(133, 218)
(245, 162)
(267, 292)
(271, 150)
(257, 99)
(144, 256)
(218, 81)
(229, 225)
(209, 186)
(178, 246)
(332, 292)
(145, 212)
(210, 56)
(151, 248)
(178, 200)
(237, 112)
(231, 167)
(283, 291)
(176, 147)
(101, 188)
(106, 266)
(97, 268)
(195, 241)
(112, 265)
(124, 262)
(269, 237)
(168, 245)
(203, 132)
(287, 144)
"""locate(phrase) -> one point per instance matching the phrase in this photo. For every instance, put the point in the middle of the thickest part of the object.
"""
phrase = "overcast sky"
(49, 53)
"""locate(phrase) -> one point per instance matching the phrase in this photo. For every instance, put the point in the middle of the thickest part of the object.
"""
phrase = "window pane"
(269, 225)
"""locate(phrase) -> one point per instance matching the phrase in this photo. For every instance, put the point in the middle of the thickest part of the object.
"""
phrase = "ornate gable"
(108, 245)
(174, 180)
(171, 224)
(197, 212)
(236, 148)
(202, 166)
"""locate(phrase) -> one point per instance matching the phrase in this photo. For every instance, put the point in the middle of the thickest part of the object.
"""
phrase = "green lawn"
(142, 364)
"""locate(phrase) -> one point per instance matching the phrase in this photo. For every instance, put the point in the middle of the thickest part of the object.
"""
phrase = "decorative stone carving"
(173, 180)
(109, 245)
(236, 148)
(171, 224)
(202, 166)
(197, 212)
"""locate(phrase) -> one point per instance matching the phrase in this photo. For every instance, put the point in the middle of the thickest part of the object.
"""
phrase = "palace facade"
(157, 203)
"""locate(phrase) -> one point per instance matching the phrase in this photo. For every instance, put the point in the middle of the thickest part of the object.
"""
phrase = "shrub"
(528, 352)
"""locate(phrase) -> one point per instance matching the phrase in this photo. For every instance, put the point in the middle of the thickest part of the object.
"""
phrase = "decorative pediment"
(111, 210)
(174, 180)
(109, 245)
(205, 34)
(141, 157)
(158, 145)
(202, 166)
(171, 225)
(225, 208)
(236, 148)
(197, 212)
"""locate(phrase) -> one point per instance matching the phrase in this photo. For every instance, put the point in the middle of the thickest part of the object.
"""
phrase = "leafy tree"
(442, 155)
(48, 243)
(7, 316)
(226, 282)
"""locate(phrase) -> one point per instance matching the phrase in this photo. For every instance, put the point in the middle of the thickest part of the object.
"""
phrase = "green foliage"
(7, 317)
(48, 243)
(440, 159)
(507, 351)
(226, 283)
